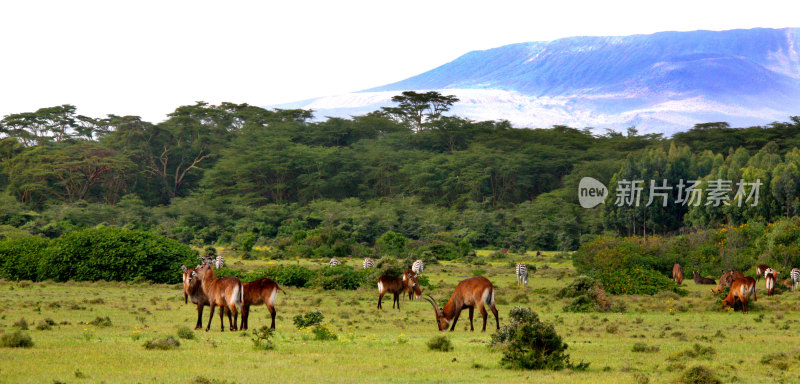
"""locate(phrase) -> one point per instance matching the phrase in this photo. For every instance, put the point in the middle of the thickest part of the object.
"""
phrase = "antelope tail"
(240, 299)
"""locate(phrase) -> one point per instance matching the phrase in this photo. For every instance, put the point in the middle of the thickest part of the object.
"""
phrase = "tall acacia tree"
(418, 108)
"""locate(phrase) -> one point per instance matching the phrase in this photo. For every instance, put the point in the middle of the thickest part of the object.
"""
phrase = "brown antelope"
(702, 280)
(741, 290)
(393, 285)
(726, 279)
(761, 270)
(411, 280)
(259, 292)
(470, 293)
(769, 283)
(226, 292)
(677, 273)
(192, 288)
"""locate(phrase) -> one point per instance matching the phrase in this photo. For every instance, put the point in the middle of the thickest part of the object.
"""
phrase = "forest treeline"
(245, 175)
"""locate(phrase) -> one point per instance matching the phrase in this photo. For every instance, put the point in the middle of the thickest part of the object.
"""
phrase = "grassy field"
(388, 345)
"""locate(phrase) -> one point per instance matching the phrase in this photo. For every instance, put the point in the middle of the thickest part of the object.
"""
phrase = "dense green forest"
(236, 174)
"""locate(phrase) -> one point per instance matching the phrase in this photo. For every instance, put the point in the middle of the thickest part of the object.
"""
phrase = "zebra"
(369, 263)
(795, 275)
(417, 267)
(335, 262)
(219, 262)
(522, 274)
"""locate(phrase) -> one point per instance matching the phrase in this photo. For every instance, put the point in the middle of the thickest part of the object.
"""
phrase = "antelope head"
(441, 320)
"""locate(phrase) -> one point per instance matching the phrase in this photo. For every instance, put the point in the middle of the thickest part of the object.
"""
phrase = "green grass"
(387, 345)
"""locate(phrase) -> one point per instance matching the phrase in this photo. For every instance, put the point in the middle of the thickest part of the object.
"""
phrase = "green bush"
(186, 333)
(16, 339)
(588, 295)
(163, 344)
(308, 319)
(342, 277)
(114, 254)
(528, 343)
(699, 375)
(19, 258)
(637, 281)
(289, 275)
(262, 339)
(440, 343)
(322, 333)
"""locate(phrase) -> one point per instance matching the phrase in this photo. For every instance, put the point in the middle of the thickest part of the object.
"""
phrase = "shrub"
(114, 254)
(588, 293)
(323, 333)
(19, 258)
(697, 352)
(699, 375)
(528, 343)
(16, 339)
(262, 339)
(22, 324)
(637, 281)
(308, 319)
(343, 277)
(290, 275)
(101, 321)
(162, 344)
(642, 347)
(440, 343)
(185, 333)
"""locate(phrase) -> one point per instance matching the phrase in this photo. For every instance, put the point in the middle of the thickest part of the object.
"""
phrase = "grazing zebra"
(522, 274)
(417, 267)
(335, 262)
(369, 263)
(795, 276)
(219, 262)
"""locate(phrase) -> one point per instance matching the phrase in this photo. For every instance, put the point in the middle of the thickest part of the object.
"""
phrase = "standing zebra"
(219, 262)
(522, 274)
(417, 267)
(335, 262)
(369, 263)
(795, 275)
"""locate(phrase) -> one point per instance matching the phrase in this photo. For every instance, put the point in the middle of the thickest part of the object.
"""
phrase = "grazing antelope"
(335, 262)
(794, 275)
(726, 279)
(193, 290)
(226, 292)
(369, 263)
(417, 267)
(411, 280)
(393, 285)
(219, 262)
(677, 273)
(259, 292)
(522, 274)
(702, 280)
(741, 290)
(769, 283)
(470, 293)
(786, 282)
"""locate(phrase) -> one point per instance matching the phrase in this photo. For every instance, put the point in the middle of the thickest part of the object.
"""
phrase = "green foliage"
(699, 375)
(308, 319)
(322, 333)
(16, 339)
(101, 321)
(113, 254)
(643, 347)
(392, 243)
(637, 281)
(185, 333)
(19, 258)
(341, 277)
(440, 343)
(262, 339)
(162, 344)
(529, 343)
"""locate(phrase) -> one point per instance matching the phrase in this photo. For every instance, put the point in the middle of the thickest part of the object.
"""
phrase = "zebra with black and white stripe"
(369, 263)
(219, 262)
(795, 276)
(522, 274)
(417, 267)
(335, 262)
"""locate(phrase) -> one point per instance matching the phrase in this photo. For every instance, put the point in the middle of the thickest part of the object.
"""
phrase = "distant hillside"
(662, 82)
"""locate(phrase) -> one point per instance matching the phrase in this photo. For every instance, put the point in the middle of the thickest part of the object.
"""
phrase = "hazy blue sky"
(148, 57)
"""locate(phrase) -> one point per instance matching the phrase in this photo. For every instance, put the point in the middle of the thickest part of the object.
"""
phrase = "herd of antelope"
(202, 285)
(742, 288)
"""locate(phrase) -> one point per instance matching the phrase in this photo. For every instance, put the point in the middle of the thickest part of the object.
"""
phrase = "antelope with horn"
(470, 293)
(396, 286)
(193, 290)
(225, 292)
(411, 280)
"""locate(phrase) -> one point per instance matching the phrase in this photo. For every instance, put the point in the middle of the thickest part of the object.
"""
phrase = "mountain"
(663, 82)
